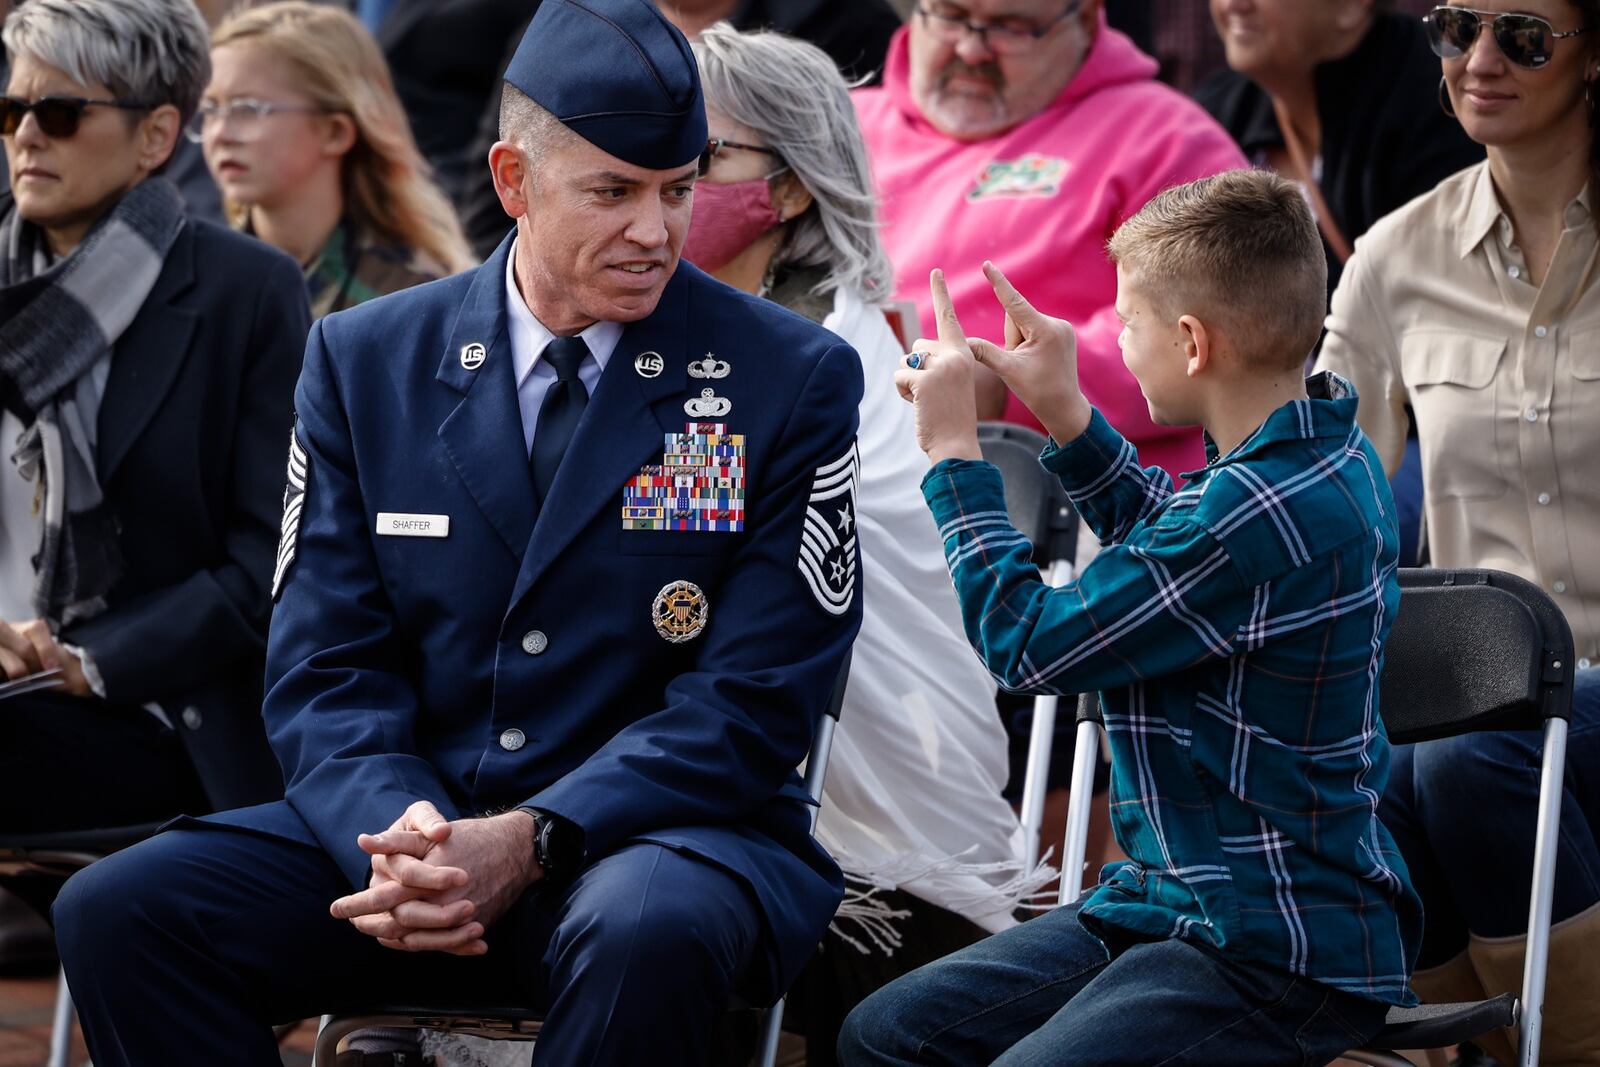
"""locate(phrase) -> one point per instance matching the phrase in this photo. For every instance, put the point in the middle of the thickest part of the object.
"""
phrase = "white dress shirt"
(529, 338)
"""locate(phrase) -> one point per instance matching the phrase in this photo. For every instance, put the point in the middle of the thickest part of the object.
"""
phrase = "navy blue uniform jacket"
(395, 664)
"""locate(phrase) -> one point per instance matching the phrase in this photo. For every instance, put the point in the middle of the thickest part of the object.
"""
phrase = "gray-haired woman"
(147, 366)
(912, 808)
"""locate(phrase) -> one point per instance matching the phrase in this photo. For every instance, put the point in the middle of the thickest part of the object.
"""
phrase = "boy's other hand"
(940, 385)
(1039, 362)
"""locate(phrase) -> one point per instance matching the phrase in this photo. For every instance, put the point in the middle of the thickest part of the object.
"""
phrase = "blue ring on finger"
(916, 359)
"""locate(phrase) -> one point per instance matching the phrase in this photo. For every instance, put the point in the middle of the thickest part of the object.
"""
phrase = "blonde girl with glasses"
(308, 142)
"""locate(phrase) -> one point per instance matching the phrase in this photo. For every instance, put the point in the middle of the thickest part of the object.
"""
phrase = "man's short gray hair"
(791, 94)
(530, 127)
(146, 51)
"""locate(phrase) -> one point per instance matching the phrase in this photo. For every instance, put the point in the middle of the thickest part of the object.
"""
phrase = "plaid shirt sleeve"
(1162, 595)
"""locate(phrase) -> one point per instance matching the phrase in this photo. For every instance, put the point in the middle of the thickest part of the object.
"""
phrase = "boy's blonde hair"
(387, 184)
(1241, 249)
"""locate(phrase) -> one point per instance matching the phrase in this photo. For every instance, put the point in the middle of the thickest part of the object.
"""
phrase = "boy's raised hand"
(937, 378)
(1039, 362)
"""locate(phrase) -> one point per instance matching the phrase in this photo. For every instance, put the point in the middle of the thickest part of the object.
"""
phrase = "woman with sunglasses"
(1475, 310)
(147, 368)
(306, 137)
(912, 807)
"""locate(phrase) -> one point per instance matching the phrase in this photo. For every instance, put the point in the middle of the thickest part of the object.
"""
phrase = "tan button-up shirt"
(1435, 310)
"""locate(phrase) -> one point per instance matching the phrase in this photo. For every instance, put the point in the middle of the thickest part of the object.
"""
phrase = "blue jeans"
(1462, 811)
(1045, 992)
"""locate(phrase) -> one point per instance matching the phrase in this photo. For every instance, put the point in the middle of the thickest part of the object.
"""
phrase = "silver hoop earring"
(1444, 99)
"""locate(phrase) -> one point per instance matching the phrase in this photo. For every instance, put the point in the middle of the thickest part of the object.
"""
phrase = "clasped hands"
(1039, 363)
(438, 885)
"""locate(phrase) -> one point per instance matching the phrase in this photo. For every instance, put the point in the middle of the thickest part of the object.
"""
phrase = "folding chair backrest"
(1035, 501)
(1473, 650)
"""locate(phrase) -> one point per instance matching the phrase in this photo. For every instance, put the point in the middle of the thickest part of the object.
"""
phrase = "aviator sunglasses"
(57, 116)
(1525, 40)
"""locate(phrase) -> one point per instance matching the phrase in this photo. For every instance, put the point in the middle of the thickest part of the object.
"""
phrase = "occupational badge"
(472, 355)
(680, 612)
(710, 367)
(697, 486)
(708, 405)
(294, 496)
(828, 535)
(648, 364)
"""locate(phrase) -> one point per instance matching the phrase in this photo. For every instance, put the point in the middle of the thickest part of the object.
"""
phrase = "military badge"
(698, 485)
(680, 612)
(294, 496)
(1014, 178)
(828, 536)
(710, 367)
(708, 405)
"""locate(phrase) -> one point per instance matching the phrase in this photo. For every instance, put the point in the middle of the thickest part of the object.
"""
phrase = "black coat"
(1385, 139)
(193, 433)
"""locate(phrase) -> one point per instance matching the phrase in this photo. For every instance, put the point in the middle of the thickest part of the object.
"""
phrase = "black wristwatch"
(557, 844)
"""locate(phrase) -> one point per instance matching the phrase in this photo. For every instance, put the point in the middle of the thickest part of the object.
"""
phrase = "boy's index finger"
(1017, 307)
(944, 311)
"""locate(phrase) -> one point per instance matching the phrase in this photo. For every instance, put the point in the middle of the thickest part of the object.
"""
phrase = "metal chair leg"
(1035, 780)
(61, 1025)
(771, 1031)
(1542, 902)
(1085, 761)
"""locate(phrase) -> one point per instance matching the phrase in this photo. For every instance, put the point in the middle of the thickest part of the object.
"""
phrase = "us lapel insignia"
(708, 405)
(828, 539)
(648, 364)
(697, 486)
(472, 355)
(710, 367)
(294, 498)
(680, 612)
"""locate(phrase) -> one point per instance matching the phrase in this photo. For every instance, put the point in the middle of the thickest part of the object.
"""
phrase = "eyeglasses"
(1523, 39)
(717, 145)
(244, 115)
(57, 116)
(1006, 36)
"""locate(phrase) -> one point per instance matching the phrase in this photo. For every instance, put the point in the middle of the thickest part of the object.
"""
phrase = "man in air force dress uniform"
(568, 568)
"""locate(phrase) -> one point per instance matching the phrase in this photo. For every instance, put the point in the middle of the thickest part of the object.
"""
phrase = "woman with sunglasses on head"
(147, 368)
(912, 807)
(307, 139)
(1475, 310)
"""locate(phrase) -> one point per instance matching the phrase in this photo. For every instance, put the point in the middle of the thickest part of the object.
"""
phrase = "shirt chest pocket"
(1457, 393)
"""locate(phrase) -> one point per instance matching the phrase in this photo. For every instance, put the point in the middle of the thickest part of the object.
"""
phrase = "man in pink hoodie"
(1025, 132)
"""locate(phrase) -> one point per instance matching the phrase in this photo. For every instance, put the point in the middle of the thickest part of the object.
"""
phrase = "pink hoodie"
(1041, 200)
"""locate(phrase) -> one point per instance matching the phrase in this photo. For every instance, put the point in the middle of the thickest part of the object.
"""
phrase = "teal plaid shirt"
(1235, 629)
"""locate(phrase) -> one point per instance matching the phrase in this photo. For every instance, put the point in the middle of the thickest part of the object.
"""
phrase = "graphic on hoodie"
(1028, 176)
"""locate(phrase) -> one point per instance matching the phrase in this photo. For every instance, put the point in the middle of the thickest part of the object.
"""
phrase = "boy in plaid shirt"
(1235, 629)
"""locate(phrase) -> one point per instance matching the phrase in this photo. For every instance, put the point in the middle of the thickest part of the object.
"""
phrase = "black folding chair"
(505, 1022)
(1038, 507)
(61, 855)
(1470, 650)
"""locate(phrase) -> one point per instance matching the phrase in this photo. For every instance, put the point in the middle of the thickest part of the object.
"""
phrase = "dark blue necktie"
(559, 413)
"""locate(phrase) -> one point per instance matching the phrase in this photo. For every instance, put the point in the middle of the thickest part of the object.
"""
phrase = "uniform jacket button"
(512, 739)
(534, 642)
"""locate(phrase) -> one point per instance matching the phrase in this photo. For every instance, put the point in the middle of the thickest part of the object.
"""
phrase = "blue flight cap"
(619, 75)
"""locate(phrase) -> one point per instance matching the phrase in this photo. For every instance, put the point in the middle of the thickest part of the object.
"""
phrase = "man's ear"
(1197, 345)
(509, 169)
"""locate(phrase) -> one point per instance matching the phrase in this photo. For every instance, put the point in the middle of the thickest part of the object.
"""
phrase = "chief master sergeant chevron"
(560, 535)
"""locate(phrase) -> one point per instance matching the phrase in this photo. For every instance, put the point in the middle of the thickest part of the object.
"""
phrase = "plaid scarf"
(58, 323)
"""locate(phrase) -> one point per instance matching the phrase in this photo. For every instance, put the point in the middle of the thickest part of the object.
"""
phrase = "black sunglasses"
(1525, 40)
(717, 145)
(57, 116)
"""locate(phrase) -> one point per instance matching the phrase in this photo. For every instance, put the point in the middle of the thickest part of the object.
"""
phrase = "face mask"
(727, 218)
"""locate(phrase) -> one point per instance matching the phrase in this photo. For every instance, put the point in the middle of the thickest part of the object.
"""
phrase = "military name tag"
(400, 524)
(698, 485)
